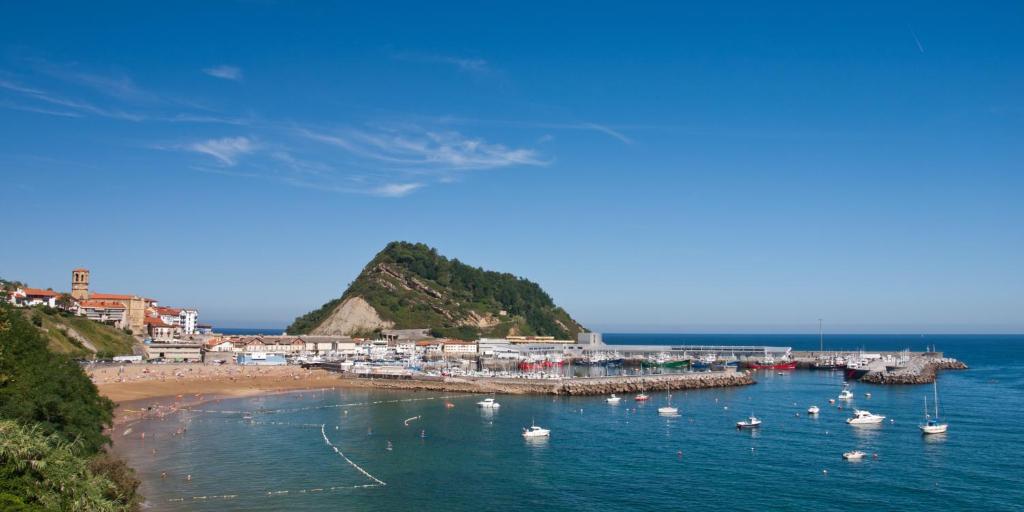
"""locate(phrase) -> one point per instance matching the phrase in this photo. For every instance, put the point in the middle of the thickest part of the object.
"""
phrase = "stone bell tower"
(80, 284)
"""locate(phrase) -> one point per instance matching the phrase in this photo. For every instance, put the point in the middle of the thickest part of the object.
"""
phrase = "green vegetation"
(415, 287)
(52, 446)
(64, 332)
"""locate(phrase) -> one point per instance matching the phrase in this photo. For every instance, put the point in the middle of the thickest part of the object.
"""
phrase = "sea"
(354, 450)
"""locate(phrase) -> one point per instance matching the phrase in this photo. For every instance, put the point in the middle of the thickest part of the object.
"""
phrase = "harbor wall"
(573, 387)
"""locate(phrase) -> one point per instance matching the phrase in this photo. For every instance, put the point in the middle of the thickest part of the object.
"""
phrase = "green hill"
(411, 286)
(78, 336)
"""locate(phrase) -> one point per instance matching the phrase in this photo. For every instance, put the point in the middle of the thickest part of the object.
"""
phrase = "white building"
(33, 297)
(459, 348)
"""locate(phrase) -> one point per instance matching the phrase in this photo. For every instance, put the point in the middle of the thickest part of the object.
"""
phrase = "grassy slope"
(105, 338)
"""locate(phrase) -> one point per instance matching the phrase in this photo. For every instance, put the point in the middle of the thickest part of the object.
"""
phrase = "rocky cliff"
(411, 286)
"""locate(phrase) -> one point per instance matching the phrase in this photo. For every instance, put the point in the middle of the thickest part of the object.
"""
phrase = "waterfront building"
(459, 347)
(175, 352)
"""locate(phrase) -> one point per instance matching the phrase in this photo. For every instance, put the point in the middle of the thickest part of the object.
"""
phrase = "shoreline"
(142, 391)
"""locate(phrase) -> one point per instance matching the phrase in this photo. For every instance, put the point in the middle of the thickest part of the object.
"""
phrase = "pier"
(583, 386)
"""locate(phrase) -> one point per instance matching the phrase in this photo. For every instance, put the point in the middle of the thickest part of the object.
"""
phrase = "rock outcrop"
(354, 315)
(920, 371)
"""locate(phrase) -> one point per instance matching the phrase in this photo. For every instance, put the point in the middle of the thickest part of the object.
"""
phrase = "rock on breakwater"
(920, 371)
(575, 387)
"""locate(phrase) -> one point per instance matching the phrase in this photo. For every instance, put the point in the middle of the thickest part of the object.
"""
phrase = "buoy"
(189, 478)
(824, 471)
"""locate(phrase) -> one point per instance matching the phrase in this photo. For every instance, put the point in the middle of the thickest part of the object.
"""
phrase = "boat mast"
(935, 386)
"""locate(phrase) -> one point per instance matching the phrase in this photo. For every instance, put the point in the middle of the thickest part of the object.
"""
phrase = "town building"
(159, 330)
(103, 311)
(175, 352)
(458, 347)
(33, 297)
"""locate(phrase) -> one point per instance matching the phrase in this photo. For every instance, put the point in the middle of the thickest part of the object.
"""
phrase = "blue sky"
(656, 167)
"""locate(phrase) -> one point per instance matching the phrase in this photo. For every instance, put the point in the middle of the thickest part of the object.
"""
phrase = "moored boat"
(854, 455)
(488, 403)
(751, 422)
(813, 410)
(613, 399)
(865, 418)
(932, 425)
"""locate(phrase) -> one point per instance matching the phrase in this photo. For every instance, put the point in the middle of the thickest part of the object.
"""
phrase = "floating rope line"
(323, 432)
(407, 420)
(315, 407)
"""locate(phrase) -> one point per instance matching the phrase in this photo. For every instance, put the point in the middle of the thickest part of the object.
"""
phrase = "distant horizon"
(736, 333)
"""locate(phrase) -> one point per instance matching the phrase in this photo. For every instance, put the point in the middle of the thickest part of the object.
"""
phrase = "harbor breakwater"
(921, 370)
(574, 387)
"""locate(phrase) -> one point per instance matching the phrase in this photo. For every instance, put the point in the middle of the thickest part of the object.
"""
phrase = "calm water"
(609, 457)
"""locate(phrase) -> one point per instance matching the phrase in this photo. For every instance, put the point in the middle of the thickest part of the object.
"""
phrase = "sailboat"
(932, 425)
(668, 409)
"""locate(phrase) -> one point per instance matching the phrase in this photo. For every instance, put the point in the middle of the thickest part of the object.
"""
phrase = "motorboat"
(535, 431)
(668, 409)
(641, 397)
(488, 403)
(864, 418)
(846, 394)
(751, 422)
(854, 455)
(813, 409)
(932, 425)
(613, 399)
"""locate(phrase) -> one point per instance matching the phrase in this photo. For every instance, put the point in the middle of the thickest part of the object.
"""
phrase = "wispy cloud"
(920, 47)
(610, 131)
(395, 189)
(225, 72)
(226, 150)
(55, 99)
(426, 148)
(465, 64)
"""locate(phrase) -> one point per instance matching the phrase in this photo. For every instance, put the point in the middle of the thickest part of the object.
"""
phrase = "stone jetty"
(574, 386)
(920, 370)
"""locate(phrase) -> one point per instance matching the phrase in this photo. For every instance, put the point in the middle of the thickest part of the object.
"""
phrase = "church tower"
(80, 284)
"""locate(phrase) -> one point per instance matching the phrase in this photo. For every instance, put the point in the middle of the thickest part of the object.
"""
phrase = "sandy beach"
(137, 382)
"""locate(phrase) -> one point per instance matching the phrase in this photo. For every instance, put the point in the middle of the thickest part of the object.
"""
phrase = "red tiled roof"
(168, 311)
(100, 304)
(110, 296)
(156, 322)
(36, 292)
(80, 269)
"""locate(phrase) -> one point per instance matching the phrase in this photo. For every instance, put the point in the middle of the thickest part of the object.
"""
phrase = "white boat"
(864, 418)
(668, 409)
(751, 422)
(854, 455)
(846, 394)
(613, 399)
(932, 425)
(488, 403)
(813, 409)
(535, 431)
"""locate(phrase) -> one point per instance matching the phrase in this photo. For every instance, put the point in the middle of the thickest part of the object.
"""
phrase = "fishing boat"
(813, 409)
(846, 394)
(865, 418)
(613, 399)
(854, 455)
(535, 431)
(704, 362)
(770, 363)
(488, 403)
(750, 422)
(679, 363)
(932, 425)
